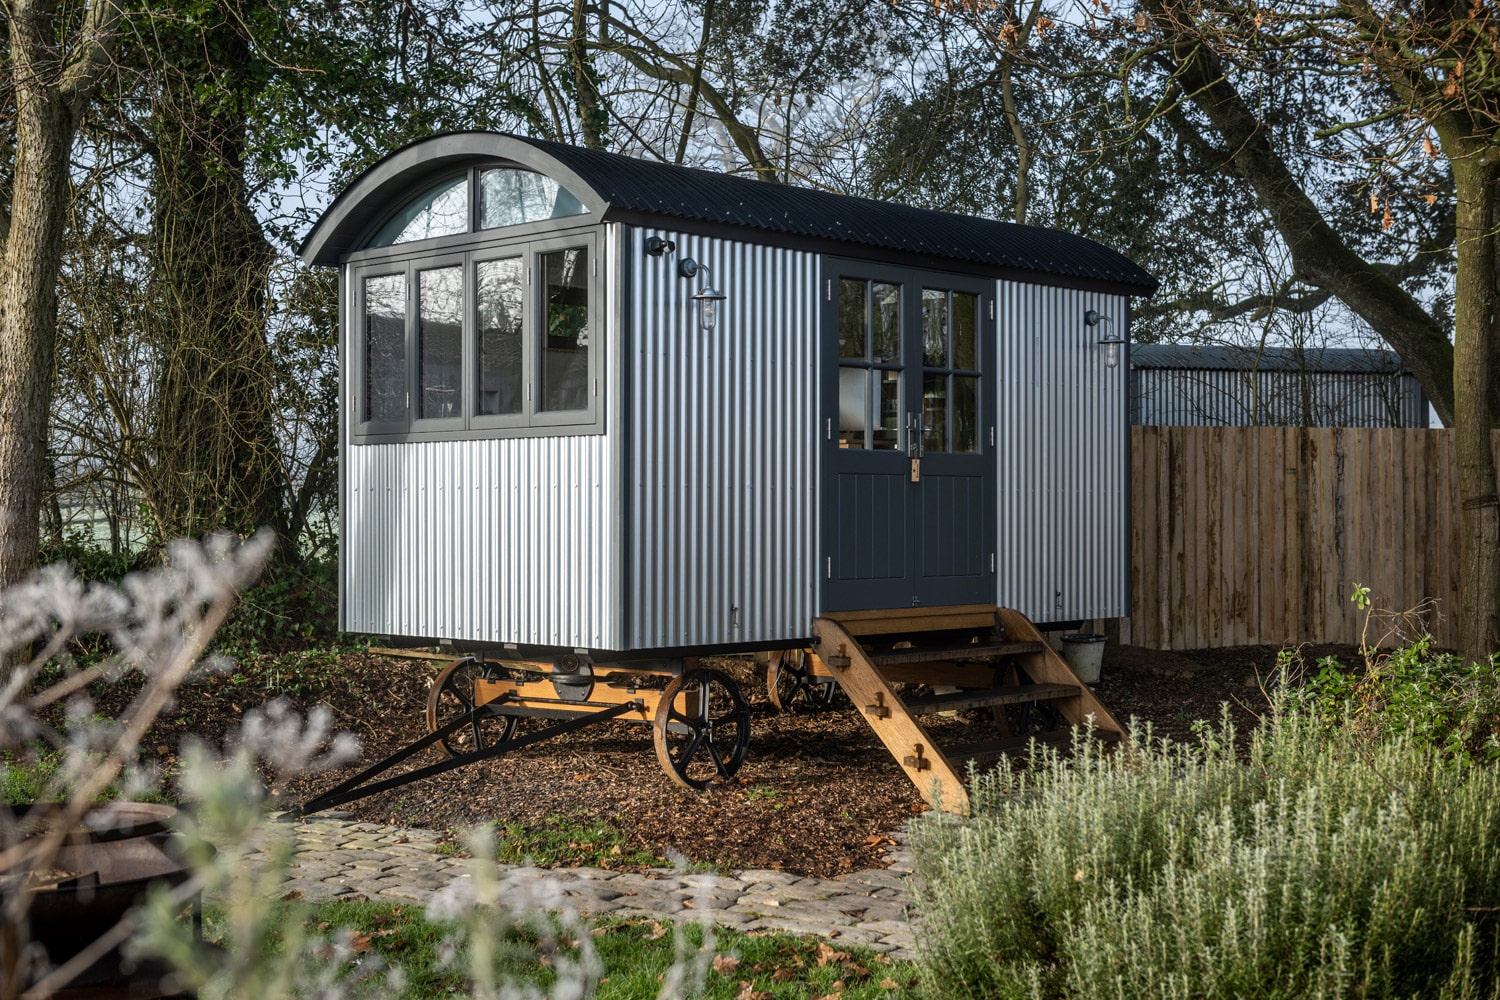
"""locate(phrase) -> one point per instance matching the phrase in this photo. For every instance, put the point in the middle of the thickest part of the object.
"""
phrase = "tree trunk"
(57, 53)
(28, 312)
(1475, 302)
(216, 461)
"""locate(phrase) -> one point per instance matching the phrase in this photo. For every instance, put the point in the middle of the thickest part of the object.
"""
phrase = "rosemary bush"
(1321, 865)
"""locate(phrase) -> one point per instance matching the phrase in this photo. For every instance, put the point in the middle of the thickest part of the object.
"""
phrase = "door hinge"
(830, 428)
(992, 562)
(528, 391)
(596, 389)
(595, 262)
(830, 567)
(992, 308)
(828, 289)
(992, 435)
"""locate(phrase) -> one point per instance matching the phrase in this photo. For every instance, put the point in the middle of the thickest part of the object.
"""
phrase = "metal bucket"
(1084, 652)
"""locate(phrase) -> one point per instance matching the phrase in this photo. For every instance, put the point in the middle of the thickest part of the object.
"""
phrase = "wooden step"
(910, 621)
(1015, 746)
(969, 651)
(1017, 695)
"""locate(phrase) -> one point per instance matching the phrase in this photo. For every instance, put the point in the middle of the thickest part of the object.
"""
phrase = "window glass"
(934, 328)
(440, 307)
(854, 406)
(887, 433)
(501, 372)
(565, 350)
(854, 318)
(934, 412)
(443, 211)
(510, 197)
(965, 413)
(887, 321)
(965, 331)
(385, 347)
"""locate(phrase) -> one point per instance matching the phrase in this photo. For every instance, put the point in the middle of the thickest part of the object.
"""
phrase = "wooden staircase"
(978, 656)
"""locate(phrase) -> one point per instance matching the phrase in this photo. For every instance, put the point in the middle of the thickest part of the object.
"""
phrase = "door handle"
(913, 435)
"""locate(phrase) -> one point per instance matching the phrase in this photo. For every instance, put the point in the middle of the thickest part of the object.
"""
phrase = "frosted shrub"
(1320, 866)
(159, 625)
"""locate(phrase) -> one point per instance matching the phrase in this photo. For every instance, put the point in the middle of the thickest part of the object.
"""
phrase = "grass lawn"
(635, 954)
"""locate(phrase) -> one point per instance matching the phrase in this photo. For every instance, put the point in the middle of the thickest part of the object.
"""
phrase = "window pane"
(854, 406)
(965, 413)
(565, 351)
(501, 373)
(509, 197)
(965, 332)
(887, 321)
(934, 328)
(440, 310)
(888, 428)
(385, 347)
(854, 318)
(440, 212)
(934, 412)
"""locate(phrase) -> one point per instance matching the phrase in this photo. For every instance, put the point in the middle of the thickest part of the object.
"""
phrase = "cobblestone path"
(338, 859)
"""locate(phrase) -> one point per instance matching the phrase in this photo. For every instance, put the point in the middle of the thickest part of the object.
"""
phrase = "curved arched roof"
(643, 190)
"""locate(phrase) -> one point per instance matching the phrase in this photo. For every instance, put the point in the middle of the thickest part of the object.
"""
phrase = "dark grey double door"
(908, 404)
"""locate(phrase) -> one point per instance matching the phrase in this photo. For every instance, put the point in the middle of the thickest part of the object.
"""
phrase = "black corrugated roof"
(1218, 357)
(704, 196)
(644, 188)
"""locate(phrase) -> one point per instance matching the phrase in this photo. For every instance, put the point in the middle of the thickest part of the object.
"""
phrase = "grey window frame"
(528, 241)
(414, 343)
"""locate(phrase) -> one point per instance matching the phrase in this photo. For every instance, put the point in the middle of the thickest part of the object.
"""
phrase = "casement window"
(476, 312)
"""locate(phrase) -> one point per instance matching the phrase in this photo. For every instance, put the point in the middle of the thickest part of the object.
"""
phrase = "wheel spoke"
(719, 764)
(685, 756)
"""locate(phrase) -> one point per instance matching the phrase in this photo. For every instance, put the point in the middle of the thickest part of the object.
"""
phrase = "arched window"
(511, 197)
(442, 211)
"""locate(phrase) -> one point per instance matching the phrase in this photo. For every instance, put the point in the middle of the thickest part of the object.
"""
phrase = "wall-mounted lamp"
(707, 297)
(656, 246)
(1111, 341)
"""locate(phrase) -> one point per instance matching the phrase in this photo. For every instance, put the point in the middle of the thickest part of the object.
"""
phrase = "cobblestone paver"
(339, 859)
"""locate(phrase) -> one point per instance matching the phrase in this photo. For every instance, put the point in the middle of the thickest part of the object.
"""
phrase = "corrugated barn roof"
(644, 190)
(662, 189)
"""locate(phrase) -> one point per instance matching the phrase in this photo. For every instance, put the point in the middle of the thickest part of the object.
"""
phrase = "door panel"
(906, 356)
(874, 508)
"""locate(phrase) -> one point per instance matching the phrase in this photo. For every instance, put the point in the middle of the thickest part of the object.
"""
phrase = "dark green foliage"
(1437, 698)
(294, 605)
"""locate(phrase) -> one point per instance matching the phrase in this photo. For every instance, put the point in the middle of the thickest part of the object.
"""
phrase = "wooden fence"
(1246, 535)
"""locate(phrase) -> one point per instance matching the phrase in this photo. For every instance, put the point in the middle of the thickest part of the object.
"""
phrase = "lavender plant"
(159, 625)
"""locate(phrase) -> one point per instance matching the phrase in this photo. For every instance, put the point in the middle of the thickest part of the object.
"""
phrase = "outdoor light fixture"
(708, 297)
(1111, 342)
(656, 246)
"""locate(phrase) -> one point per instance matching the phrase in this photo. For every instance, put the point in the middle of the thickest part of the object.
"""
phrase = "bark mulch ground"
(817, 795)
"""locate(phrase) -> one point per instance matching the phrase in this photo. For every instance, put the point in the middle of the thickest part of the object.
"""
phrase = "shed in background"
(1223, 386)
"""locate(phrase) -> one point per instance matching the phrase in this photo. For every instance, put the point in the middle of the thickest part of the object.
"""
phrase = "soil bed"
(817, 795)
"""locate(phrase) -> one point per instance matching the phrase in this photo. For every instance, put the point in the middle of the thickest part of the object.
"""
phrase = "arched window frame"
(531, 241)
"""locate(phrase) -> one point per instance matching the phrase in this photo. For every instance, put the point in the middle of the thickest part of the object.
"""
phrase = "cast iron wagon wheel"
(793, 687)
(702, 728)
(452, 695)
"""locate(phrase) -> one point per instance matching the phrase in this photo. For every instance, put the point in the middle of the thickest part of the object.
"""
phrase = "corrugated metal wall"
(1063, 452)
(508, 540)
(723, 461)
(1220, 398)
